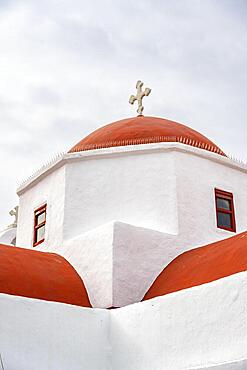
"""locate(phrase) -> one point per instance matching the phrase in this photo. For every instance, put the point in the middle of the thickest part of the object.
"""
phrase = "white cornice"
(61, 159)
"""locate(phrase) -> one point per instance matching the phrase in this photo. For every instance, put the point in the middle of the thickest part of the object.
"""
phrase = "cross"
(14, 212)
(139, 96)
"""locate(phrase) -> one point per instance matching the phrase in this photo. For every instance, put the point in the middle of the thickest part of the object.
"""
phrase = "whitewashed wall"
(167, 187)
(198, 328)
(118, 262)
(139, 254)
(197, 177)
(40, 335)
(50, 190)
(195, 328)
(162, 197)
(138, 188)
(91, 254)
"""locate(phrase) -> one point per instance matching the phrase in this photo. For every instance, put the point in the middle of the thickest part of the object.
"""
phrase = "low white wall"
(203, 327)
(40, 335)
(196, 328)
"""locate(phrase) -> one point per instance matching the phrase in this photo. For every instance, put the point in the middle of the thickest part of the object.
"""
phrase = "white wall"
(163, 187)
(91, 254)
(50, 190)
(167, 187)
(40, 335)
(138, 256)
(165, 190)
(136, 188)
(195, 328)
(118, 262)
(198, 328)
(197, 177)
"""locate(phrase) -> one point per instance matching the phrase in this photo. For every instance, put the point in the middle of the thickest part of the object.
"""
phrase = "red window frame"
(228, 196)
(37, 225)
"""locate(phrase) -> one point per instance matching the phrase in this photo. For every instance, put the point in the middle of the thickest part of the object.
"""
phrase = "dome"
(40, 275)
(202, 265)
(144, 130)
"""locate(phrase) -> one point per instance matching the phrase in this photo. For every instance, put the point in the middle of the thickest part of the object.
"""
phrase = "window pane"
(223, 203)
(224, 220)
(40, 218)
(40, 233)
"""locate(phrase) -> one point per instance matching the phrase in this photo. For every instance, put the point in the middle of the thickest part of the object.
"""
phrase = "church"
(128, 252)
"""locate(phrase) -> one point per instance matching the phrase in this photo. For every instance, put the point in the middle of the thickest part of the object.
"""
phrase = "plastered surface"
(164, 195)
(91, 254)
(49, 190)
(40, 335)
(198, 328)
(138, 189)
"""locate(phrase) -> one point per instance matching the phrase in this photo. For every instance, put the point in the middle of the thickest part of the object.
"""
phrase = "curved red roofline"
(40, 275)
(144, 130)
(202, 265)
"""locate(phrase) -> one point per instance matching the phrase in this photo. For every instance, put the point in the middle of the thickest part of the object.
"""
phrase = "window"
(225, 210)
(39, 225)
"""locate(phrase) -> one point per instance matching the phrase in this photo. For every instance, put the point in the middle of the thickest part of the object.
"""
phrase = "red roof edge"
(202, 265)
(40, 275)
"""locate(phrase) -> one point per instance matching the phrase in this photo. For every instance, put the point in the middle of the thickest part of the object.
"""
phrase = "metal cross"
(139, 96)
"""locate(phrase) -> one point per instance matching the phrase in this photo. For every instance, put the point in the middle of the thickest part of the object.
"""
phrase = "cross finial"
(14, 212)
(139, 96)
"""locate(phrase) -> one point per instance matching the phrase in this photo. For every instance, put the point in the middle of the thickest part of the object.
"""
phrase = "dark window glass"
(39, 225)
(224, 220)
(223, 203)
(225, 210)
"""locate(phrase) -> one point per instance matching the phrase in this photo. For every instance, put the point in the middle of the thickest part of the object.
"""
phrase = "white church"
(129, 252)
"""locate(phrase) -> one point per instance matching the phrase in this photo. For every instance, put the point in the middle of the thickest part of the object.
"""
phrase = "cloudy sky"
(69, 66)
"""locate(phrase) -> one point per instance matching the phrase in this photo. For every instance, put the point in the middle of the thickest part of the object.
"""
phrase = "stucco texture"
(198, 328)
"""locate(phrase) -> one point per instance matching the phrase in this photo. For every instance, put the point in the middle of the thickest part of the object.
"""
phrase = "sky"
(68, 67)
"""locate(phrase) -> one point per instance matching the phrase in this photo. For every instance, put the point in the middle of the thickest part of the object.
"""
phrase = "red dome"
(41, 275)
(143, 130)
(202, 265)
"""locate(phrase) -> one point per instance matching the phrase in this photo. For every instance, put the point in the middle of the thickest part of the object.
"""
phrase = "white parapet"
(203, 327)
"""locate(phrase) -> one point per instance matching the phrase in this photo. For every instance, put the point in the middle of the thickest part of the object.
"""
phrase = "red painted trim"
(228, 196)
(36, 227)
(39, 242)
